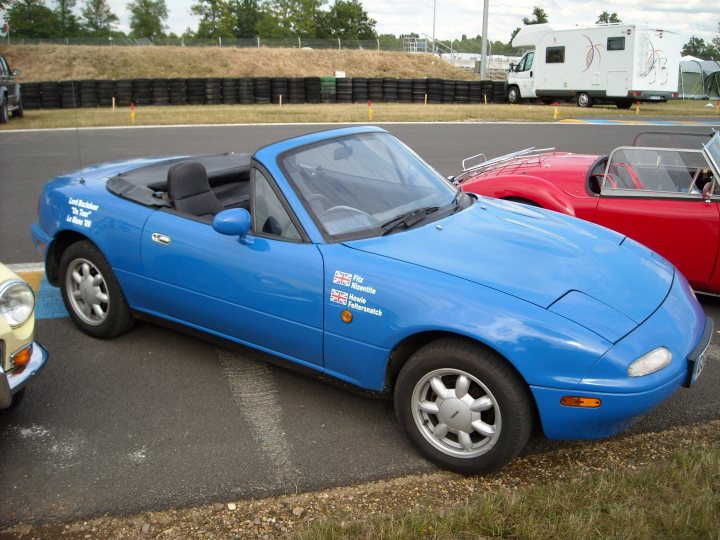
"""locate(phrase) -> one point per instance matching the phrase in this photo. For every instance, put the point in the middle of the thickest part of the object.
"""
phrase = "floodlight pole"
(483, 53)
(433, 39)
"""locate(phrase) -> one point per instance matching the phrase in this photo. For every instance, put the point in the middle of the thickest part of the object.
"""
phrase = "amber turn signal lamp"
(346, 316)
(21, 358)
(579, 401)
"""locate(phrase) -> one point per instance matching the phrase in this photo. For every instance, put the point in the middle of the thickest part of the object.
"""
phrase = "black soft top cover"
(148, 185)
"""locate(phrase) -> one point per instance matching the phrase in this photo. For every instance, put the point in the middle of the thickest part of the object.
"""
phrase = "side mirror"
(512, 67)
(233, 222)
(16, 72)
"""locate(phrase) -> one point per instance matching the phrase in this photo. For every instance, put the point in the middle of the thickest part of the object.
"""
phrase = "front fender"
(531, 188)
(545, 348)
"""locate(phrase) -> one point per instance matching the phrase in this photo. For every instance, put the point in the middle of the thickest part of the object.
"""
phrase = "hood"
(539, 256)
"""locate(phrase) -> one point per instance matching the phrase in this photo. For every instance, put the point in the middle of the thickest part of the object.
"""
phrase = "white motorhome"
(609, 63)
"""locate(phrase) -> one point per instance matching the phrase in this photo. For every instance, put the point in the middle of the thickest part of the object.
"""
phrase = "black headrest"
(186, 179)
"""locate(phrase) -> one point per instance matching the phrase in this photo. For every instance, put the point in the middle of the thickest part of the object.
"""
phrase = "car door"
(265, 290)
(524, 76)
(655, 197)
(7, 80)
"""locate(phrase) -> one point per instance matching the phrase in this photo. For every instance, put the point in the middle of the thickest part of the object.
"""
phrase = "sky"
(453, 18)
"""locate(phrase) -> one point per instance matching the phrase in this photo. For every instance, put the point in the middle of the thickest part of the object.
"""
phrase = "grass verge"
(677, 498)
(329, 113)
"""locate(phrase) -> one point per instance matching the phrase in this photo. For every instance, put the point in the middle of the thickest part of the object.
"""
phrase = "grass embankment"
(678, 498)
(62, 62)
(330, 113)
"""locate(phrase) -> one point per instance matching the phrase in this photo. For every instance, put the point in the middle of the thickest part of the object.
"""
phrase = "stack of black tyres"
(343, 90)
(419, 90)
(69, 94)
(312, 90)
(142, 91)
(462, 91)
(105, 93)
(475, 92)
(213, 91)
(88, 94)
(50, 95)
(123, 92)
(404, 90)
(390, 90)
(486, 87)
(499, 89)
(327, 90)
(195, 91)
(31, 96)
(178, 91)
(296, 90)
(229, 91)
(359, 90)
(448, 91)
(161, 92)
(434, 90)
(246, 91)
(375, 89)
(262, 90)
(278, 87)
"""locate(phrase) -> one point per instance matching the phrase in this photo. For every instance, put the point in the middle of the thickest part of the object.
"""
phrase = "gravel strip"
(280, 516)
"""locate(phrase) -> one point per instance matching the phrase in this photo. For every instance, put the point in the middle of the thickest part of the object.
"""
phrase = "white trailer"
(609, 63)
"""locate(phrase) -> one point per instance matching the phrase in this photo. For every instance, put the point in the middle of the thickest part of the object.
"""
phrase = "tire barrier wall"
(261, 90)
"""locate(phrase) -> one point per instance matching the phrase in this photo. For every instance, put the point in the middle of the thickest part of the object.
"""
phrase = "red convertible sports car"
(662, 191)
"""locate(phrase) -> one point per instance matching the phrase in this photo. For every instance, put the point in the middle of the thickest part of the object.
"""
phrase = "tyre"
(91, 293)
(584, 100)
(16, 399)
(4, 118)
(19, 111)
(513, 95)
(463, 406)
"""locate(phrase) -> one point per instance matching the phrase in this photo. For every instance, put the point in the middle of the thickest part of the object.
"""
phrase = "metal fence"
(290, 42)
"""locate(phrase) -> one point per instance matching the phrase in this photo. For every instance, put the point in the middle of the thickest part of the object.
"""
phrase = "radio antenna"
(77, 131)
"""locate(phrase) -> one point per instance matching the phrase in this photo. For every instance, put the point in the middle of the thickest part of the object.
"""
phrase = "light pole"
(433, 39)
(483, 53)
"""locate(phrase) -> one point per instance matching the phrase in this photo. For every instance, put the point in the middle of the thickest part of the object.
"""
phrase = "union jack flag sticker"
(342, 278)
(339, 297)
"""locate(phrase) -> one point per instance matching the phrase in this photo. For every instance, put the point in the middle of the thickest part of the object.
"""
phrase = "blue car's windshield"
(366, 184)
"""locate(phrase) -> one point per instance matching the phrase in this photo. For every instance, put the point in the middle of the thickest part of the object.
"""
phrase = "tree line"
(241, 19)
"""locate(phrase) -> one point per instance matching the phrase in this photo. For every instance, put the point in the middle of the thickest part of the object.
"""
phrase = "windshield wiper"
(408, 218)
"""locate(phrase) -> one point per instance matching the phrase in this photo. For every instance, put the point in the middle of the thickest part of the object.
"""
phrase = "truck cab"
(521, 80)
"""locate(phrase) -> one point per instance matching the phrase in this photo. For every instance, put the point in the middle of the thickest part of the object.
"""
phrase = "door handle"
(160, 238)
(531, 74)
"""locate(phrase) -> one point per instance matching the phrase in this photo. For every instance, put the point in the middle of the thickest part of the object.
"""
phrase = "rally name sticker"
(357, 302)
(81, 212)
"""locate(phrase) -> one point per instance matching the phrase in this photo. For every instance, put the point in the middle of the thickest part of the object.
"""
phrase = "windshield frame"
(452, 202)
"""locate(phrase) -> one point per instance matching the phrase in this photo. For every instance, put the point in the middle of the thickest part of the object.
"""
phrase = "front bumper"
(11, 384)
(679, 325)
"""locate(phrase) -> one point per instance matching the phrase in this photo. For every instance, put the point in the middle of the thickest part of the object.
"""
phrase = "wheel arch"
(62, 241)
(402, 352)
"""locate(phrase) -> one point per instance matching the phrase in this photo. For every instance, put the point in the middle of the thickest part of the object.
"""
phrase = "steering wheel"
(340, 211)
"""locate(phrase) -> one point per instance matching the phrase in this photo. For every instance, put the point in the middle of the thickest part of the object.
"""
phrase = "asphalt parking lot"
(156, 419)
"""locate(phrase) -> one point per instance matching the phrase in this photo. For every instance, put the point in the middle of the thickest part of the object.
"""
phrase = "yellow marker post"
(637, 107)
(370, 110)
(132, 113)
(485, 98)
(556, 114)
(426, 100)
(281, 100)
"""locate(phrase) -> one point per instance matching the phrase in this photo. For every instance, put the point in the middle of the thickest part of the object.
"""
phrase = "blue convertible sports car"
(343, 254)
